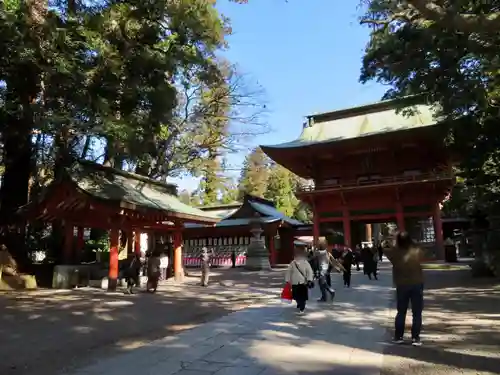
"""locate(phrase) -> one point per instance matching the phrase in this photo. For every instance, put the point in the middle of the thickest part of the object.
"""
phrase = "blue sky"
(305, 53)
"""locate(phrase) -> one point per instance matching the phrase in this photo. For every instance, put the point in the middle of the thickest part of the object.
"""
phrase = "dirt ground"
(461, 333)
(48, 331)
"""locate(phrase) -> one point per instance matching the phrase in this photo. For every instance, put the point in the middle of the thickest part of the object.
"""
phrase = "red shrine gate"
(371, 164)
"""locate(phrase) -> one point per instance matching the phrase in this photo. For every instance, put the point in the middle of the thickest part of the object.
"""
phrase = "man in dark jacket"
(347, 261)
(408, 276)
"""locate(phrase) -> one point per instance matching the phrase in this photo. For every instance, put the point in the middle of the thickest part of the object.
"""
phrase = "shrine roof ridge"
(168, 186)
(234, 222)
(266, 210)
(253, 198)
(358, 110)
(111, 184)
(221, 206)
(359, 122)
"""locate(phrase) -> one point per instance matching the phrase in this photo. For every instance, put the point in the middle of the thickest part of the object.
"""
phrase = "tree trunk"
(86, 147)
(15, 186)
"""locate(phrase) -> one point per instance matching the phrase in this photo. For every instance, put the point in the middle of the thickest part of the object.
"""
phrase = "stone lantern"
(257, 253)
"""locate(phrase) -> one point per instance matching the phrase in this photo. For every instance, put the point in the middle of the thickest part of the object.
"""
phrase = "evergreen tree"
(210, 183)
(254, 174)
(281, 189)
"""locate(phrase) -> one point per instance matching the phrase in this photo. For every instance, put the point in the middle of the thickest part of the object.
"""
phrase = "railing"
(379, 181)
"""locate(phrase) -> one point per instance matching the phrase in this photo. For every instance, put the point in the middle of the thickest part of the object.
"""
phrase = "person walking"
(205, 265)
(380, 250)
(357, 256)
(347, 262)
(406, 258)
(326, 263)
(132, 273)
(233, 258)
(153, 272)
(369, 262)
(300, 275)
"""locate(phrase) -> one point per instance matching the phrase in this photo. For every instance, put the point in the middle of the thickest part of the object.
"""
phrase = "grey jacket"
(294, 276)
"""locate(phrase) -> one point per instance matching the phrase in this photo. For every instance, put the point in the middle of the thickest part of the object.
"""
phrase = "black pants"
(300, 293)
(347, 277)
(132, 280)
(372, 273)
(329, 279)
(404, 295)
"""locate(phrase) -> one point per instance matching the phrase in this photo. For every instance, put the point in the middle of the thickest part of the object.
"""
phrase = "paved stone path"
(345, 337)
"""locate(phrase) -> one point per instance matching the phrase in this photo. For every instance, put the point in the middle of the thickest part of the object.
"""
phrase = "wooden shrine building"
(89, 195)
(372, 164)
(232, 233)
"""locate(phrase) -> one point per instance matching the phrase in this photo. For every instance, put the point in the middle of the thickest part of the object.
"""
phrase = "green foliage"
(77, 73)
(303, 213)
(415, 52)
(229, 193)
(281, 189)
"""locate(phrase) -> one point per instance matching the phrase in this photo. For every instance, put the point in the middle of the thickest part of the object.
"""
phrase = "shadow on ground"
(49, 330)
(461, 328)
(74, 328)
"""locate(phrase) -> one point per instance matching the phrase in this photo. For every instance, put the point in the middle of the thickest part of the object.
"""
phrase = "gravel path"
(461, 333)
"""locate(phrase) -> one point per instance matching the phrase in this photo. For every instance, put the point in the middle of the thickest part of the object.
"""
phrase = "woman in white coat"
(300, 275)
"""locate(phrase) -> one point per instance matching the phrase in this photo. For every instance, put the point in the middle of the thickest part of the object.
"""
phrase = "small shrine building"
(373, 164)
(89, 195)
(232, 233)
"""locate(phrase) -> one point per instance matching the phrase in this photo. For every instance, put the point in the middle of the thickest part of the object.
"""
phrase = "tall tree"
(254, 174)
(74, 72)
(453, 71)
(281, 189)
(452, 62)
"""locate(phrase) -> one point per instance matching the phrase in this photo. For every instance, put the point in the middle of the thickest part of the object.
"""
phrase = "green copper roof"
(222, 210)
(359, 122)
(114, 185)
(266, 210)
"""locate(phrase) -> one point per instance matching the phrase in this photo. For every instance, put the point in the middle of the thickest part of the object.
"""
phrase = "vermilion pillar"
(178, 270)
(68, 242)
(368, 232)
(114, 243)
(137, 242)
(438, 230)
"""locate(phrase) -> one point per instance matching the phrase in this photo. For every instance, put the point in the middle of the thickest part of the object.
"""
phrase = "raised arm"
(335, 263)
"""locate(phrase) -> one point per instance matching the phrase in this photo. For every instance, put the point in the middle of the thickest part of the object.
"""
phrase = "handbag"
(286, 293)
(310, 284)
